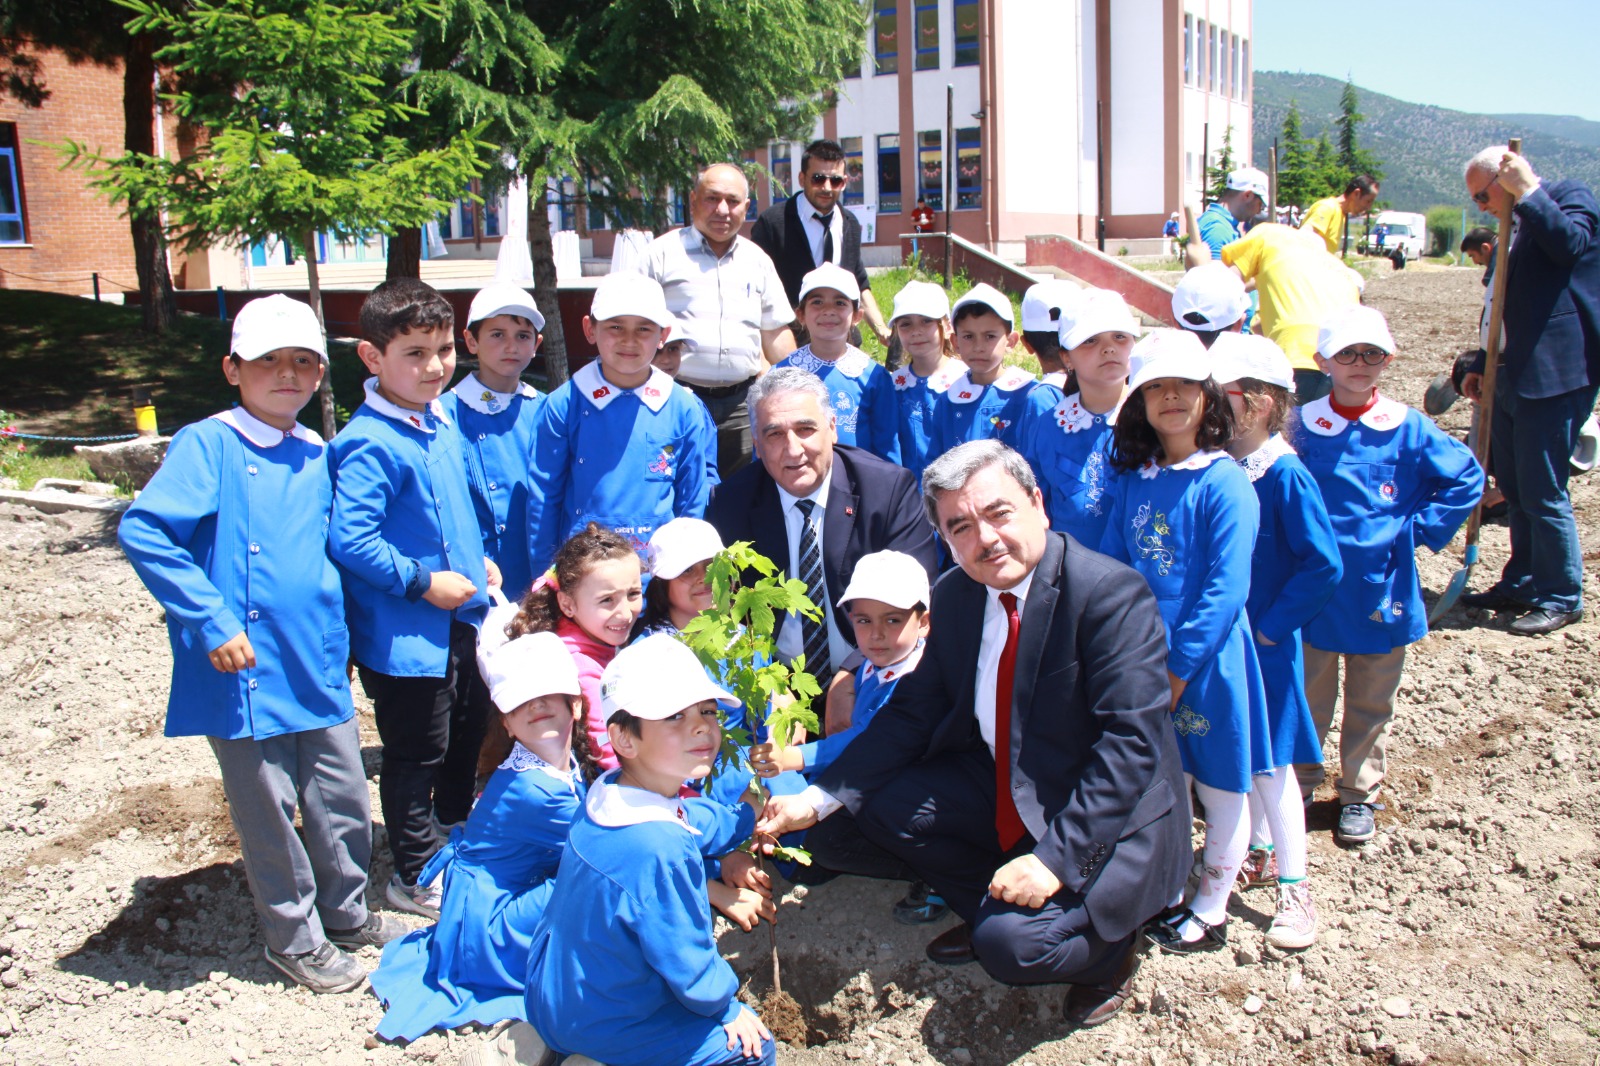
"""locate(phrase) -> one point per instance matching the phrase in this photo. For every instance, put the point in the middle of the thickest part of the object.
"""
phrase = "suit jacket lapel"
(767, 530)
(1034, 638)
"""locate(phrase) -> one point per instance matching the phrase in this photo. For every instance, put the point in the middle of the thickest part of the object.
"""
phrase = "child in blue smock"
(991, 400)
(231, 537)
(497, 870)
(405, 537)
(1186, 518)
(621, 444)
(1047, 308)
(921, 323)
(866, 412)
(1292, 573)
(624, 967)
(1071, 449)
(496, 412)
(1391, 480)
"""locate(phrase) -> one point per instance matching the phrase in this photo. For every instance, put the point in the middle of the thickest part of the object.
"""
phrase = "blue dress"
(1293, 573)
(866, 413)
(996, 411)
(472, 965)
(915, 397)
(1071, 453)
(1190, 528)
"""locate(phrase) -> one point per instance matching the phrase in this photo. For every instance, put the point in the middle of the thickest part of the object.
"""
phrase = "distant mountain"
(1424, 148)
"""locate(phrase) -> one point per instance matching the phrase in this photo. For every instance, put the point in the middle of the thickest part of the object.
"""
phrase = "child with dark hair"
(1046, 307)
(1186, 518)
(991, 400)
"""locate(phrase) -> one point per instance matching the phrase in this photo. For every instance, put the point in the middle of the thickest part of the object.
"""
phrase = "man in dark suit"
(1547, 383)
(1026, 769)
(812, 228)
(815, 507)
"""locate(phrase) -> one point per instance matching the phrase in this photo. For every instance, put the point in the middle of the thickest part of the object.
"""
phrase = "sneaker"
(518, 1044)
(377, 931)
(1356, 825)
(1260, 867)
(414, 899)
(920, 906)
(326, 969)
(1295, 924)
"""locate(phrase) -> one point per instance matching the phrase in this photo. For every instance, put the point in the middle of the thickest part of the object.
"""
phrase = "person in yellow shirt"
(1298, 285)
(1327, 217)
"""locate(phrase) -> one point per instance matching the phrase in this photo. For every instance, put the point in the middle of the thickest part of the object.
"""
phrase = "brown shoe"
(953, 947)
(1087, 1006)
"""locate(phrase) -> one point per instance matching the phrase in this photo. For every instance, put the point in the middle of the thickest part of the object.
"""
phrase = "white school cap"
(503, 298)
(988, 296)
(272, 322)
(680, 544)
(1355, 324)
(1248, 179)
(1045, 305)
(889, 577)
(630, 294)
(922, 298)
(1169, 353)
(830, 276)
(1098, 311)
(532, 665)
(1250, 355)
(1210, 296)
(655, 677)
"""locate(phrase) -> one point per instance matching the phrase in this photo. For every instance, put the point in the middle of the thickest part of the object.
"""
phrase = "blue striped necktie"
(814, 634)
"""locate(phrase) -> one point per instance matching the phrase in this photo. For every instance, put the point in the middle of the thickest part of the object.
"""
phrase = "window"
(927, 20)
(966, 15)
(12, 231)
(781, 165)
(885, 37)
(1244, 70)
(565, 197)
(889, 173)
(1225, 76)
(1211, 58)
(930, 168)
(1188, 49)
(969, 167)
(1200, 54)
(855, 192)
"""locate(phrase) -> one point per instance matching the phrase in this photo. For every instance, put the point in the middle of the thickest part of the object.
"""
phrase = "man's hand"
(841, 702)
(448, 590)
(1472, 387)
(746, 1033)
(740, 870)
(494, 573)
(768, 761)
(1025, 881)
(233, 655)
(743, 907)
(785, 814)
(1517, 176)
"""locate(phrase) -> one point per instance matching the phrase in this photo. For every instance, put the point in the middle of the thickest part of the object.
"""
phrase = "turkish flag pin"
(850, 512)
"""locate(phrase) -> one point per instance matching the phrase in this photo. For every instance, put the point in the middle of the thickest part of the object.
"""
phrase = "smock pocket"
(662, 452)
(1383, 488)
(336, 657)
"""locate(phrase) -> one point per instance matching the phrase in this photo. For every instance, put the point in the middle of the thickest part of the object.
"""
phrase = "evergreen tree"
(1352, 157)
(1327, 173)
(1295, 184)
(1217, 176)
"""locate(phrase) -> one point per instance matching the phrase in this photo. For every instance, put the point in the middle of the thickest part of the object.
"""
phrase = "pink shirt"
(591, 655)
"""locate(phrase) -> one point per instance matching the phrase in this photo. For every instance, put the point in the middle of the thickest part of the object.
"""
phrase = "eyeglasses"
(837, 181)
(1481, 198)
(1370, 356)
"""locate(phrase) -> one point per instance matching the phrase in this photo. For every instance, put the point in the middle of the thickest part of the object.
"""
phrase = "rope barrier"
(64, 280)
(10, 434)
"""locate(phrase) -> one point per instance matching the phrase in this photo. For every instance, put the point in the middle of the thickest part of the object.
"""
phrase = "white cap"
(1169, 353)
(1098, 311)
(922, 298)
(1211, 296)
(1355, 324)
(680, 544)
(655, 677)
(1045, 305)
(1250, 355)
(532, 665)
(889, 577)
(630, 294)
(272, 322)
(503, 298)
(1248, 179)
(830, 276)
(988, 296)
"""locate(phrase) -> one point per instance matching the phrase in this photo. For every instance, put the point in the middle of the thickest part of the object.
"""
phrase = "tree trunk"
(405, 254)
(314, 297)
(554, 347)
(157, 302)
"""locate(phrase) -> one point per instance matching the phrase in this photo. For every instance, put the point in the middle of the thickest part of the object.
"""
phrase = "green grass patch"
(887, 284)
(27, 467)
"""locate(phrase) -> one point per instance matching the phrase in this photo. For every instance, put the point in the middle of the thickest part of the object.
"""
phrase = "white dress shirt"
(815, 231)
(790, 641)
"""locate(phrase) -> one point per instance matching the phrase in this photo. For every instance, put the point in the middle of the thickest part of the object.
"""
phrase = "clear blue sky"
(1418, 50)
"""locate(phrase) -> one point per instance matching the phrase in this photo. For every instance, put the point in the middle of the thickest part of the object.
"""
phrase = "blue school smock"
(708, 446)
(497, 438)
(1293, 573)
(866, 412)
(1190, 528)
(499, 869)
(1391, 480)
(401, 513)
(915, 397)
(1070, 451)
(998, 411)
(873, 689)
(230, 536)
(629, 459)
(624, 966)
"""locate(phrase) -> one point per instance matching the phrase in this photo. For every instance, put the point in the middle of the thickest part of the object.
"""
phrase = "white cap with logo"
(1247, 355)
(889, 577)
(1098, 311)
(986, 296)
(503, 298)
(1169, 353)
(630, 294)
(1046, 305)
(272, 322)
(530, 666)
(830, 276)
(1211, 296)
(922, 298)
(680, 544)
(655, 677)
(1355, 324)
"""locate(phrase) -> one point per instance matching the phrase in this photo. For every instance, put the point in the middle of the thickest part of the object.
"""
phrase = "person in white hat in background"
(1186, 518)
(472, 965)
(1046, 308)
(921, 323)
(1293, 571)
(1243, 198)
(1211, 300)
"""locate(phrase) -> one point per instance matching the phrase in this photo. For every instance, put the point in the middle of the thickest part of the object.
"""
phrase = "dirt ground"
(1468, 931)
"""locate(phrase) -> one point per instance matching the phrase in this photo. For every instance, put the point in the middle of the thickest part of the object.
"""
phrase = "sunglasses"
(1481, 198)
(837, 181)
(1370, 356)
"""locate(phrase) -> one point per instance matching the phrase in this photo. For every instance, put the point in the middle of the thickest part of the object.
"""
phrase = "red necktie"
(1007, 822)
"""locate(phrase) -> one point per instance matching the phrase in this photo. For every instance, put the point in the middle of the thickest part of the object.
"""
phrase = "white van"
(1406, 236)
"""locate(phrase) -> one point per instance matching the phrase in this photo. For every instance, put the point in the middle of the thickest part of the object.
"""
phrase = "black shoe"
(1166, 936)
(1544, 620)
(953, 947)
(1087, 1006)
(1491, 601)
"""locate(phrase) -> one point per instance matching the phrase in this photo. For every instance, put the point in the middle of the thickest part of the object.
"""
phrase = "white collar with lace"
(1073, 417)
(1320, 418)
(854, 363)
(1258, 462)
(388, 409)
(1011, 379)
(260, 433)
(486, 401)
(1197, 461)
(612, 805)
(522, 759)
(654, 393)
(939, 381)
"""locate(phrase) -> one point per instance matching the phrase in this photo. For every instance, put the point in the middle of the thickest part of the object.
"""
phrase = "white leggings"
(1277, 815)
(1227, 843)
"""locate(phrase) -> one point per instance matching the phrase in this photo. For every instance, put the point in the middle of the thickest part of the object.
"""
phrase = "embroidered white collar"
(414, 419)
(522, 759)
(1011, 379)
(1258, 462)
(1320, 418)
(895, 670)
(259, 433)
(1197, 461)
(1073, 417)
(612, 805)
(654, 393)
(854, 363)
(484, 400)
(938, 381)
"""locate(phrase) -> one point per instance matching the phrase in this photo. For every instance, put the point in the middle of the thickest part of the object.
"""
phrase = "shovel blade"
(1452, 593)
